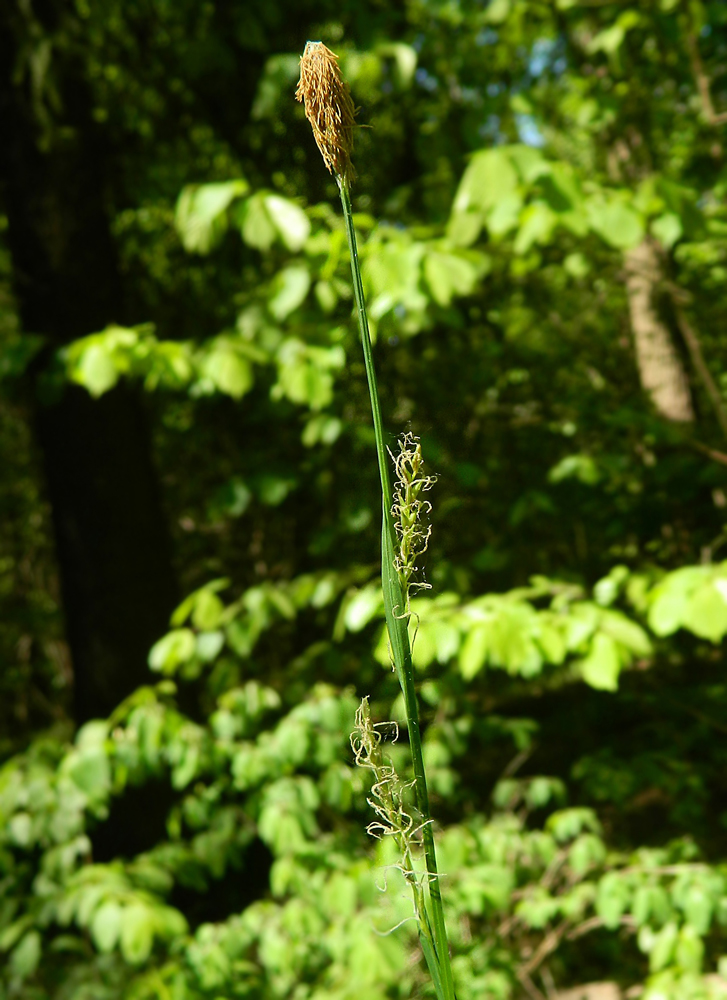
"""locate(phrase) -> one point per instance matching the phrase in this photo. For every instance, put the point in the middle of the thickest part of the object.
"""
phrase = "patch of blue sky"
(528, 131)
(425, 80)
(541, 56)
(489, 130)
(488, 36)
(547, 54)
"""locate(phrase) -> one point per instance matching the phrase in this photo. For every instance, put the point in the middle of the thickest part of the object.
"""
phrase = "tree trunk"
(117, 582)
(661, 370)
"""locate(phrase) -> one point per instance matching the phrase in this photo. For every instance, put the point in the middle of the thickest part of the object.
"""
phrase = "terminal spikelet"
(328, 107)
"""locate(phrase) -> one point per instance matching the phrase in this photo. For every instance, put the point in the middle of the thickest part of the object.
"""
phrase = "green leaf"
(582, 621)
(690, 950)
(304, 372)
(20, 829)
(405, 60)
(661, 946)
(172, 650)
(13, 932)
(463, 228)
(511, 640)
(536, 225)
(272, 489)
(106, 925)
(528, 161)
(579, 466)
(505, 215)
(540, 790)
(577, 265)
(601, 667)
(207, 609)
(705, 613)
(96, 370)
(586, 852)
(201, 213)
(651, 905)
(209, 613)
(391, 274)
(551, 640)
(612, 899)
(561, 190)
(289, 220)
(568, 823)
(186, 766)
(228, 371)
(498, 11)
(667, 229)
(209, 645)
(326, 295)
(364, 606)
(91, 772)
(473, 654)
(698, 905)
(289, 291)
(627, 633)
(449, 275)
(608, 588)
(617, 223)
(25, 956)
(611, 38)
(321, 429)
(489, 177)
(137, 933)
(537, 910)
(668, 599)
(256, 225)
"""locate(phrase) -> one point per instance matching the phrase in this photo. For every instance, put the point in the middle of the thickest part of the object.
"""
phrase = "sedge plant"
(329, 109)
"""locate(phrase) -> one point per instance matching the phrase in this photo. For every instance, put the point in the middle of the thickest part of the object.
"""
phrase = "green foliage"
(568, 656)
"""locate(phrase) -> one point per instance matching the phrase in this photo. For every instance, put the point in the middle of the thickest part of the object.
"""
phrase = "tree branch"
(716, 456)
(694, 347)
(703, 82)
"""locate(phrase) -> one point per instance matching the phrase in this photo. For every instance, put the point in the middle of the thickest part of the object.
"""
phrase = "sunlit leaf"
(289, 290)
(290, 221)
(602, 665)
(201, 214)
(137, 933)
(172, 650)
(617, 223)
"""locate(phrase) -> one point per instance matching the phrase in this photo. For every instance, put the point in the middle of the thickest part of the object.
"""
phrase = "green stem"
(397, 624)
(363, 325)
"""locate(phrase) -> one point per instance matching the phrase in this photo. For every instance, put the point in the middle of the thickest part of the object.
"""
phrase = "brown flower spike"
(328, 107)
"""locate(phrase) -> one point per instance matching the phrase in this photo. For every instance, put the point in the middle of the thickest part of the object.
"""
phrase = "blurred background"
(189, 515)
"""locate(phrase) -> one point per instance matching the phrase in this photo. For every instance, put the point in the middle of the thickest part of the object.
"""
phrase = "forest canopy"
(190, 590)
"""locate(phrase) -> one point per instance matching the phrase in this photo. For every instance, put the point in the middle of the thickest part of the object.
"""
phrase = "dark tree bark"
(117, 582)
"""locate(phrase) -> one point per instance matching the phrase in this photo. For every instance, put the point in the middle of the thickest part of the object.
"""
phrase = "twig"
(699, 715)
(548, 982)
(716, 456)
(549, 943)
(594, 923)
(553, 868)
(702, 81)
(516, 763)
(529, 986)
(665, 869)
(700, 365)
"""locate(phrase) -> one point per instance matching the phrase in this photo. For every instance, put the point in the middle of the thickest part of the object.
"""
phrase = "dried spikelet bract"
(328, 107)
